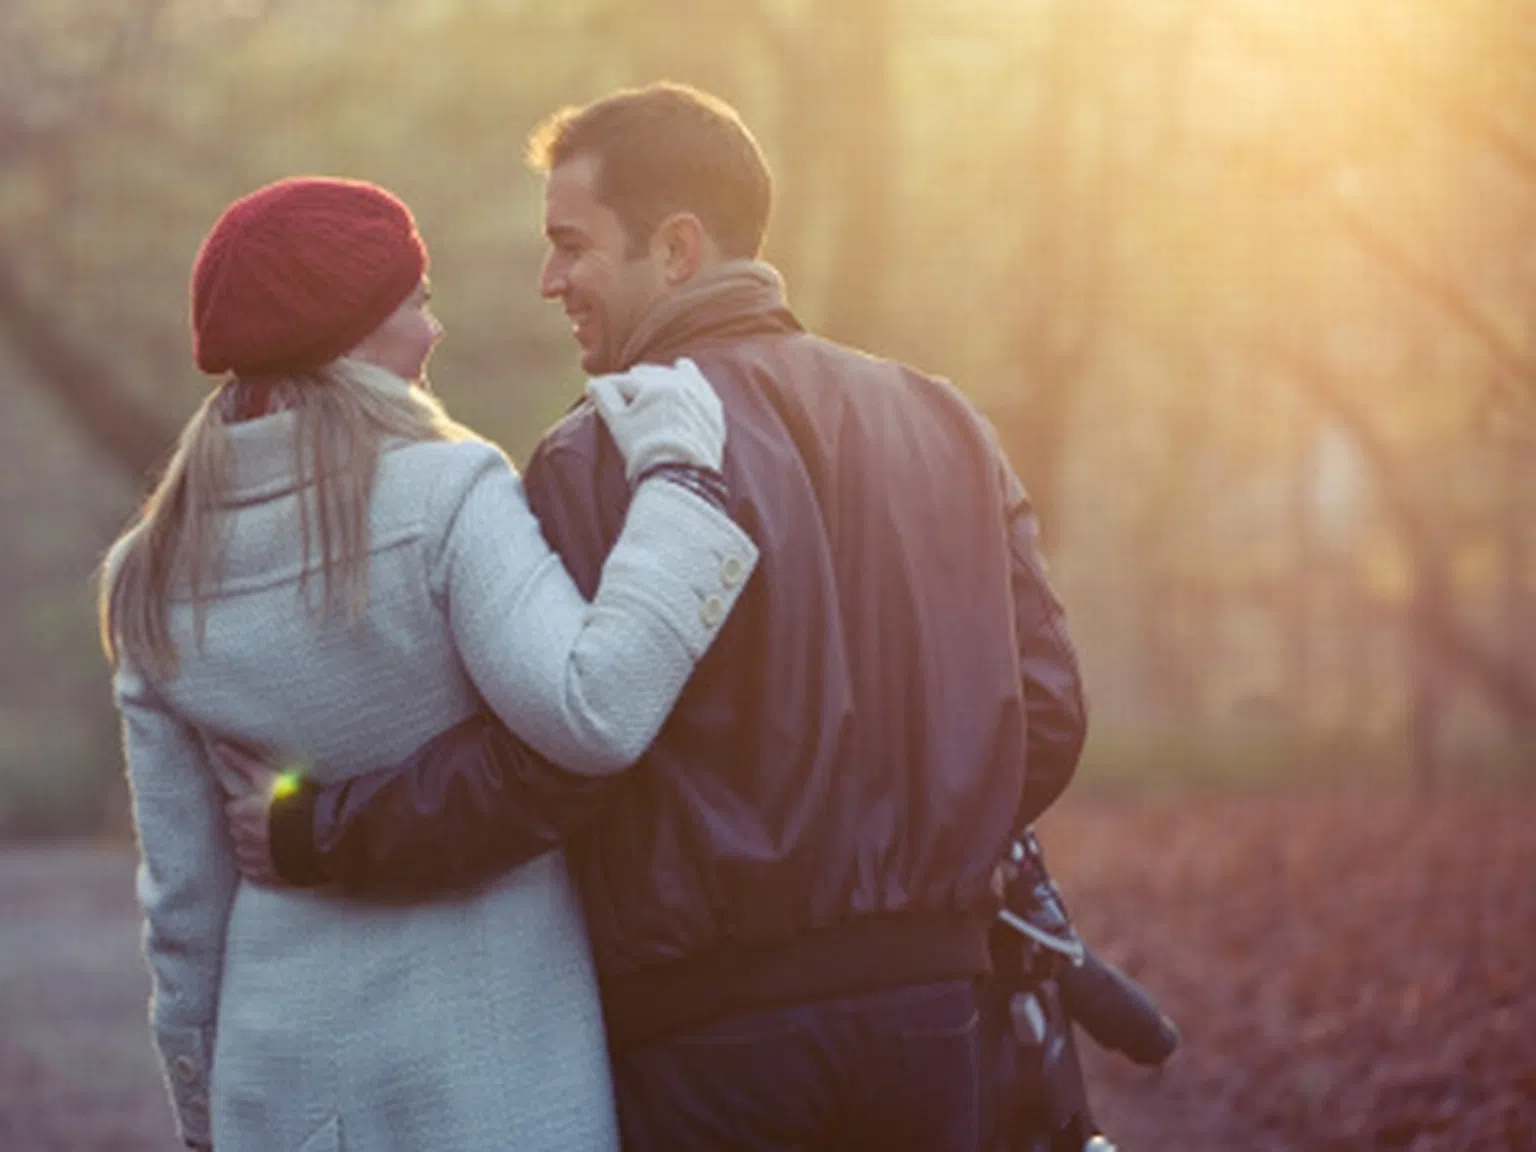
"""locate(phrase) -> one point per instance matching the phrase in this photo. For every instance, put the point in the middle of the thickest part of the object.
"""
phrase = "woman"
(333, 570)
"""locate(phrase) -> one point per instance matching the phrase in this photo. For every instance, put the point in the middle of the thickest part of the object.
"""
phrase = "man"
(789, 896)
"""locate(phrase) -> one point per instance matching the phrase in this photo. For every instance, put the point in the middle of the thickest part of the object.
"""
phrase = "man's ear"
(683, 245)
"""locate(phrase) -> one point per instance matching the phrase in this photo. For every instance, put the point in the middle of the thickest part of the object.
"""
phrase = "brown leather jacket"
(893, 698)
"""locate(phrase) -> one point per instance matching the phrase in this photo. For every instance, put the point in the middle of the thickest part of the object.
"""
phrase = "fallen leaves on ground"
(1347, 971)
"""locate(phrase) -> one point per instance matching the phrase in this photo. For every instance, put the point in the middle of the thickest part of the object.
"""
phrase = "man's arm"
(471, 803)
(1057, 710)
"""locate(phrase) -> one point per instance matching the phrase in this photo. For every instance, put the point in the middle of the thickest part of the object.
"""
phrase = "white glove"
(661, 415)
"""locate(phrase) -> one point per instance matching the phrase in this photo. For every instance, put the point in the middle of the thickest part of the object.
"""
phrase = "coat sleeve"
(586, 685)
(185, 882)
(476, 799)
(1056, 706)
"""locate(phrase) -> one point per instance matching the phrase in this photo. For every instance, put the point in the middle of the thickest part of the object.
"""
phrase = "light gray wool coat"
(301, 1020)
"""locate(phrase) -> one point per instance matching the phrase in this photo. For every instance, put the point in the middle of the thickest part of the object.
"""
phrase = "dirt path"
(1348, 974)
(76, 1070)
(1353, 972)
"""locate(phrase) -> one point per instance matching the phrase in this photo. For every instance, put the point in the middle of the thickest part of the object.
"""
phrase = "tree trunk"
(130, 434)
(866, 159)
(1431, 618)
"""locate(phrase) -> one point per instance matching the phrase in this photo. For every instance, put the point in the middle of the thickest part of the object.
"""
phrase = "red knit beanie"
(298, 273)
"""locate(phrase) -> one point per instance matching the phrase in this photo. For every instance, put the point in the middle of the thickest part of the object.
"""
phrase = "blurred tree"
(1176, 251)
(1375, 199)
(1105, 108)
(64, 66)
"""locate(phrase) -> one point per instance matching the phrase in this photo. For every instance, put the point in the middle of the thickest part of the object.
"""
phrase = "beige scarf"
(731, 288)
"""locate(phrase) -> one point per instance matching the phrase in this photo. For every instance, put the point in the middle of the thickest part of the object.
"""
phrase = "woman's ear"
(683, 245)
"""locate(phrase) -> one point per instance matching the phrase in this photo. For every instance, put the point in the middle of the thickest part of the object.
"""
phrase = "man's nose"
(551, 281)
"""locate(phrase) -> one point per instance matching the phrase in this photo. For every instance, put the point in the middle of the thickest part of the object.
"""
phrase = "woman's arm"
(577, 686)
(587, 685)
(186, 880)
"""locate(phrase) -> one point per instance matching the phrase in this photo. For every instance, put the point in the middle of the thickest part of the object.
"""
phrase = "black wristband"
(291, 835)
(706, 483)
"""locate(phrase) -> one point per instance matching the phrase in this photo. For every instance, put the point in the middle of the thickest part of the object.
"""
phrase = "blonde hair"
(343, 412)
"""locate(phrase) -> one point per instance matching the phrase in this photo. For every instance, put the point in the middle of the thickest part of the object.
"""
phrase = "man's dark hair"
(662, 149)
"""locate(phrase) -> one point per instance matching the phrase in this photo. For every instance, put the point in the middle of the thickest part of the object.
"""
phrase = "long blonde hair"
(343, 413)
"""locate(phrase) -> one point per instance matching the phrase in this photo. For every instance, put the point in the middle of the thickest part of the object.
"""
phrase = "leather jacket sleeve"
(1048, 669)
(468, 805)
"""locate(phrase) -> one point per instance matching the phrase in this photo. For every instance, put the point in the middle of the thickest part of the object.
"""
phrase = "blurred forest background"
(1248, 287)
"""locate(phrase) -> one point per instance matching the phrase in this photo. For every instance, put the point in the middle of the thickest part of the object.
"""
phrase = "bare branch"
(1500, 678)
(1439, 289)
(130, 434)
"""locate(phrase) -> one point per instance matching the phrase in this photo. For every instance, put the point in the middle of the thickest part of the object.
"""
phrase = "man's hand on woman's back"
(251, 782)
